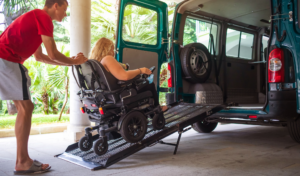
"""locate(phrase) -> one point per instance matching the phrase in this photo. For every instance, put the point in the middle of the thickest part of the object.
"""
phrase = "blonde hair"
(101, 49)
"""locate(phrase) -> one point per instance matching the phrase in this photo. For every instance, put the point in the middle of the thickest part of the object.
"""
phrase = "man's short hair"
(50, 3)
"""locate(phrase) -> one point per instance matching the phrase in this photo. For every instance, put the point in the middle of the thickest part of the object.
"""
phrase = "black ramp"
(177, 118)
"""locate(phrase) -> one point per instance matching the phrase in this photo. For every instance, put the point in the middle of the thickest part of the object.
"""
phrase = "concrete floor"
(229, 150)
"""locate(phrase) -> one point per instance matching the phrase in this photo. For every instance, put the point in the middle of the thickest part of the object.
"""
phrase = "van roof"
(252, 12)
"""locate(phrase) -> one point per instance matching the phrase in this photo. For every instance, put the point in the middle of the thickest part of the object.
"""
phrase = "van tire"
(294, 129)
(204, 127)
(189, 69)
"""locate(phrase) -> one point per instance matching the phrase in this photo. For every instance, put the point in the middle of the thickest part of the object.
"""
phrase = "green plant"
(140, 24)
(8, 122)
(103, 20)
(14, 8)
(4, 108)
(59, 79)
(49, 85)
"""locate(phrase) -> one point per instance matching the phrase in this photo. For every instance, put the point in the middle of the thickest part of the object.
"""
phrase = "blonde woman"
(103, 52)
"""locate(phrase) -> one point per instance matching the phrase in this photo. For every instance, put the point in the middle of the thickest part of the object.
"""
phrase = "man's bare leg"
(22, 131)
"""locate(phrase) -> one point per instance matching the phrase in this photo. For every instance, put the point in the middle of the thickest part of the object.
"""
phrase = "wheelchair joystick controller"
(152, 69)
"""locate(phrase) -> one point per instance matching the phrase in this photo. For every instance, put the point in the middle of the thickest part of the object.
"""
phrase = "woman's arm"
(116, 69)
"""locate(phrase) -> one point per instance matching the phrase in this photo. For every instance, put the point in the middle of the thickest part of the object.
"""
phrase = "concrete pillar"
(80, 30)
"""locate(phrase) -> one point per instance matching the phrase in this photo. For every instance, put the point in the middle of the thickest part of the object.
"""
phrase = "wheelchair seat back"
(93, 76)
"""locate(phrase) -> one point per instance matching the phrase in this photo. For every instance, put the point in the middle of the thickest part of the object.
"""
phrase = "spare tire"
(196, 63)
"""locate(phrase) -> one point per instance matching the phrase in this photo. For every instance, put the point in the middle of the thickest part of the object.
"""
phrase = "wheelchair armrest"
(141, 85)
(129, 81)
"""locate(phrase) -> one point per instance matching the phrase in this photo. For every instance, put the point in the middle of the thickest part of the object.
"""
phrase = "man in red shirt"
(18, 42)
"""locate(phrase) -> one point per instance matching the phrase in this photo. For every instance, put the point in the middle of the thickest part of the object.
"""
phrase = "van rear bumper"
(283, 104)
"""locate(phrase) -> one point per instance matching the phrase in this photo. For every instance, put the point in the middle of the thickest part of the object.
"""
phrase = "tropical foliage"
(49, 87)
(103, 21)
(140, 25)
(14, 8)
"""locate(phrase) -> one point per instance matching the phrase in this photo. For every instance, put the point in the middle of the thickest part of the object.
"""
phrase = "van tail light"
(101, 111)
(170, 79)
(276, 66)
(82, 109)
(252, 116)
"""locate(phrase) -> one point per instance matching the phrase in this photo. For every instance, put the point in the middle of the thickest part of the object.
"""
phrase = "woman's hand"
(145, 71)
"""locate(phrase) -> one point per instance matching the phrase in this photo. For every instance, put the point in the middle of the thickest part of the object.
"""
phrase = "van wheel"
(204, 127)
(294, 129)
(196, 62)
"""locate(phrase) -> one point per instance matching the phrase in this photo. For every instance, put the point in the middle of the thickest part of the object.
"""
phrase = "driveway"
(230, 150)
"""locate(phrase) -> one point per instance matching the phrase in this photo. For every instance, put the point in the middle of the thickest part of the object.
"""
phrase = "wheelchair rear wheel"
(134, 127)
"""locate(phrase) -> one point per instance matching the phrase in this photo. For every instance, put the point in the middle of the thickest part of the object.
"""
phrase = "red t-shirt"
(23, 37)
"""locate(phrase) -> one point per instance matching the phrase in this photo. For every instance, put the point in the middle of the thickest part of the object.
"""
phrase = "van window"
(265, 40)
(140, 25)
(196, 31)
(232, 43)
(239, 44)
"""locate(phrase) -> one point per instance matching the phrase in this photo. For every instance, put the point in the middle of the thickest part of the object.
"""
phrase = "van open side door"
(142, 36)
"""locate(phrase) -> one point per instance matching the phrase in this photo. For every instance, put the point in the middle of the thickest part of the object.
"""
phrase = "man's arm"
(58, 57)
(39, 56)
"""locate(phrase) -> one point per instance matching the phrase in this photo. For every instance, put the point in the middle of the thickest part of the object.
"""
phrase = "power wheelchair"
(115, 106)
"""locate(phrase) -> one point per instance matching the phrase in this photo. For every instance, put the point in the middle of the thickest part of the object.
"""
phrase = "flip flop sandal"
(36, 168)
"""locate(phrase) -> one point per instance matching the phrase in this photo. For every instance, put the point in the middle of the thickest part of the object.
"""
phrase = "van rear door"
(142, 34)
(285, 34)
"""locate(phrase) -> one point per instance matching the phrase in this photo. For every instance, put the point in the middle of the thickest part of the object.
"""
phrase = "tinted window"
(239, 44)
(140, 25)
(232, 43)
(196, 31)
(246, 45)
(264, 45)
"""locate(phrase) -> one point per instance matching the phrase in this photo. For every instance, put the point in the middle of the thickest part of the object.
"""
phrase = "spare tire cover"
(196, 63)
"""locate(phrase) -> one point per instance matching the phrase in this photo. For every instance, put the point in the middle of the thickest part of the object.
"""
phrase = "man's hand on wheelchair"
(79, 59)
(145, 71)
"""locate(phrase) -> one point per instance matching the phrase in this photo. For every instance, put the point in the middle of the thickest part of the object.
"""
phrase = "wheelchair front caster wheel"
(158, 121)
(100, 147)
(85, 144)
